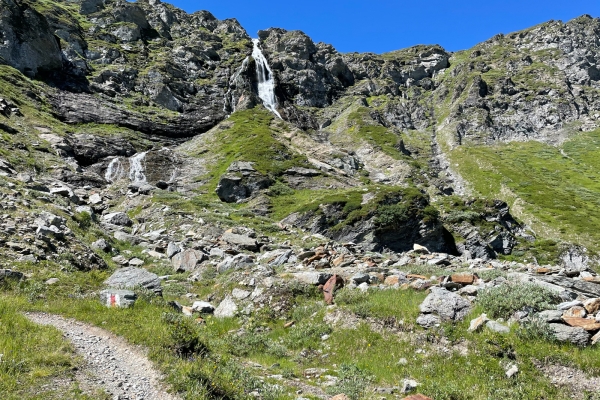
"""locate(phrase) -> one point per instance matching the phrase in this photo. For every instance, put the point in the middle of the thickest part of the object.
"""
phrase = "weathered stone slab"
(117, 298)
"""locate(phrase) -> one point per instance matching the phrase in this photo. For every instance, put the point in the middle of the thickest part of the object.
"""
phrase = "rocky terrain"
(389, 221)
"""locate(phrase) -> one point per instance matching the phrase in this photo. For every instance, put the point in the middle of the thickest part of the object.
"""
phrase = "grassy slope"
(555, 189)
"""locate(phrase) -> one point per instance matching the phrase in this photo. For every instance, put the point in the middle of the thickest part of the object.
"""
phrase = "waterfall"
(266, 83)
(114, 170)
(136, 169)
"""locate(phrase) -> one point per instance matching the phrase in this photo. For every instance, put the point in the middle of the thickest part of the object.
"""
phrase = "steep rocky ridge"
(146, 69)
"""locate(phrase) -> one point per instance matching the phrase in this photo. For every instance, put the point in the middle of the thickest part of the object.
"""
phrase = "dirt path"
(111, 364)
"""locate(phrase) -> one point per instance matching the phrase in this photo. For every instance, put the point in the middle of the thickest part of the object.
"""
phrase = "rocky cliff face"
(90, 83)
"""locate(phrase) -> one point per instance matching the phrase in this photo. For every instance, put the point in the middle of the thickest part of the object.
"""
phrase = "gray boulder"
(102, 245)
(447, 305)
(187, 260)
(236, 262)
(241, 241)
(575, 335)
(10, 274)
(550, 316)
(312, 278)
(132, 277)
(172, 249)
(241, 182)
(48, 232)
(226, 309)
(118, 218)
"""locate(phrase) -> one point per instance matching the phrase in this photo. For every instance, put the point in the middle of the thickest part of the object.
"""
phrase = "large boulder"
(187, 260)
(241, 182)
(445, 305)
(575, 335)
(118, 218)
(132, 277)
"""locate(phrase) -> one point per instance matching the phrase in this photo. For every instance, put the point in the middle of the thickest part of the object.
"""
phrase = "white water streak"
(114, 170)
(136, 168)
(266, 83)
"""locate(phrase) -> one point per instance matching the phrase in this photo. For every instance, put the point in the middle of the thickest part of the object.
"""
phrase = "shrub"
(83, 219)
(352, 382)
(535, 328)
(502, 301)
(185, 341)
(456, 216)
(306, 335)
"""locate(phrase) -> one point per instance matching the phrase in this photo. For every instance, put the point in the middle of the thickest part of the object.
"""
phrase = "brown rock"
(592, 305)
(595, 338)
(391, 280)
(587, 324)
(463, 279)
(336, 262)
(415, 276)
(575, 312)
(330, 287)
(542, 270)
(593, 279)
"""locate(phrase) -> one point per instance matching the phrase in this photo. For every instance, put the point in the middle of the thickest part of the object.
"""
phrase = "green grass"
(250, 138)
(34, 358)
(399, 305)
(376, 135)
(557, 193)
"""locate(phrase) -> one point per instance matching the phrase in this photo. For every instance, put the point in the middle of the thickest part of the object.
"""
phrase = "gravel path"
(111, 364)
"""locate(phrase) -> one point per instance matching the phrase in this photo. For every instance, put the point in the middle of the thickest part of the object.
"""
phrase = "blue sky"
(383, 25)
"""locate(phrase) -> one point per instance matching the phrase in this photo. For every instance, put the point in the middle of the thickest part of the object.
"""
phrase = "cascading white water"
(114, 170)
(136, 168)
(266, 83)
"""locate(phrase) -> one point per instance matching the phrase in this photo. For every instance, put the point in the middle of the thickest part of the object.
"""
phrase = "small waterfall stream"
(136, 168)
(114, 170)
(266, 83)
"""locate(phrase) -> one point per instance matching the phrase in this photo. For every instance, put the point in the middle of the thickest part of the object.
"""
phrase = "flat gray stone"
(568, 304)
(551, 315)
(575, 335)
(428, 320)
(239, 261)
(361, 277)
(126, 237)
(132, 277)
(312, 277)
(497, 327)
(242, 241)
